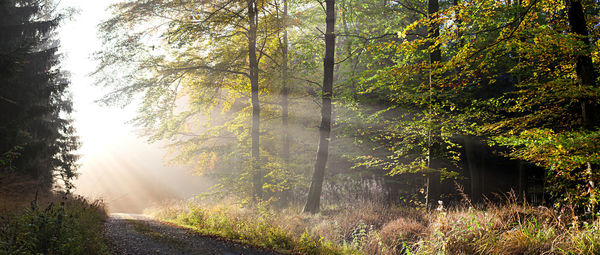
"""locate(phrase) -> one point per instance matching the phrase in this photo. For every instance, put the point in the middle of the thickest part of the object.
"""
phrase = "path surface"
(134, 234)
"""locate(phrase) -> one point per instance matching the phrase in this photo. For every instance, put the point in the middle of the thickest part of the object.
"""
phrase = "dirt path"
(134, 234)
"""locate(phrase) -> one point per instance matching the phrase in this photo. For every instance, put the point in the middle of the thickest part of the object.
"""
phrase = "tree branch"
(8, 100)
(210, 68)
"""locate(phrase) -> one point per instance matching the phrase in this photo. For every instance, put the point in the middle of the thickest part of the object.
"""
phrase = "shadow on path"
(134, 234)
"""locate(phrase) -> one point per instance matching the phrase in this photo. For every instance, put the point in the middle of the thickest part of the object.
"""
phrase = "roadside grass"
(371, 228)
(50, 224)
(248, 226)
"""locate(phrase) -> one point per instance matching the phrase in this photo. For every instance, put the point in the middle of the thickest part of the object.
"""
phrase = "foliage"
(509, 74)
(569, 156)
(73, 226)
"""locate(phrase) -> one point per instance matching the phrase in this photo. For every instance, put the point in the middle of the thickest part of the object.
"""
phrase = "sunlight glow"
(116, 164)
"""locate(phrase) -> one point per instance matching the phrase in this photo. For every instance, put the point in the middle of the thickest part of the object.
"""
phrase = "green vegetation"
(370, 228)
(424, 93)
(58, 225)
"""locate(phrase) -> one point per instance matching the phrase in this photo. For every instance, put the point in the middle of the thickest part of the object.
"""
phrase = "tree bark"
(255, 132)
(314, 195)
(584, 66)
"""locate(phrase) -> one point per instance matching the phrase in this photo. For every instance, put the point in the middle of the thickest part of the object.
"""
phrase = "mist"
(116, 165)
(131, 176)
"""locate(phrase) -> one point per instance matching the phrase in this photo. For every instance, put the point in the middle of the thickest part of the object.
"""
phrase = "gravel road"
(134, 234)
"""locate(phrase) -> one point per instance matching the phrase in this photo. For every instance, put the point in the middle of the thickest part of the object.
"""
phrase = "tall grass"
(371, 228)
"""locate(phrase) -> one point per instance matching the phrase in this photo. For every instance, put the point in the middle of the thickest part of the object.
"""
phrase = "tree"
(285, 91)
(202, 77)
(516, 67)
(435, 57)
(587, 75)
(37, 136)
(314, 194)
(400, 101)
(253, 68)
(584, 66)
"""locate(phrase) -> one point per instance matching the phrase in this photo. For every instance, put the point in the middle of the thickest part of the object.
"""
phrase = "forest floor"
(138, 234)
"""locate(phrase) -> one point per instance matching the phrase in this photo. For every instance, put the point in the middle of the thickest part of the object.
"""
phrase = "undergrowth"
(370, 228)
(61, 225)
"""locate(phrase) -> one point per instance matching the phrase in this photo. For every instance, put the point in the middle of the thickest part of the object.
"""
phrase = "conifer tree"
(34, 100)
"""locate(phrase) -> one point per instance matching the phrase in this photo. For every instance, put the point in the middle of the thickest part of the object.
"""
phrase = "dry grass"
(396, 236)
(12, 197)
(370, 228)
(510, 228)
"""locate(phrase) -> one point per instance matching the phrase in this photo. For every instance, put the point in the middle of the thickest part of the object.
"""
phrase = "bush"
(71, 226)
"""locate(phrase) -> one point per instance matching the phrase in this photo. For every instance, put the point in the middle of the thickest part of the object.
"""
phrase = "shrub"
(73, 226)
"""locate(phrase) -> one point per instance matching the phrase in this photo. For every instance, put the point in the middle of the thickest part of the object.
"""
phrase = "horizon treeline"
(278, 97)
(37, 140)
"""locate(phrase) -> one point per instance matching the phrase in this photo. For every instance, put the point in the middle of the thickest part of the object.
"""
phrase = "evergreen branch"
(8, 100)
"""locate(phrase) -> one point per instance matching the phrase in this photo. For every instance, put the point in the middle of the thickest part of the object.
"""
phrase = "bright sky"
(116, 164)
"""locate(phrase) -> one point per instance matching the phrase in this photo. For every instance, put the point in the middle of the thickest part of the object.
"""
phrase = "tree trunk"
(521, 179)
(474, 170)
(255, 132)
(285, 152)
(314, 194)
(584, 65)
(286, 195)
(433, 7)
(435, 56)
(586, 74)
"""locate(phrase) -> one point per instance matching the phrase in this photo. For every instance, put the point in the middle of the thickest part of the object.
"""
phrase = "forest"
(331, 126)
